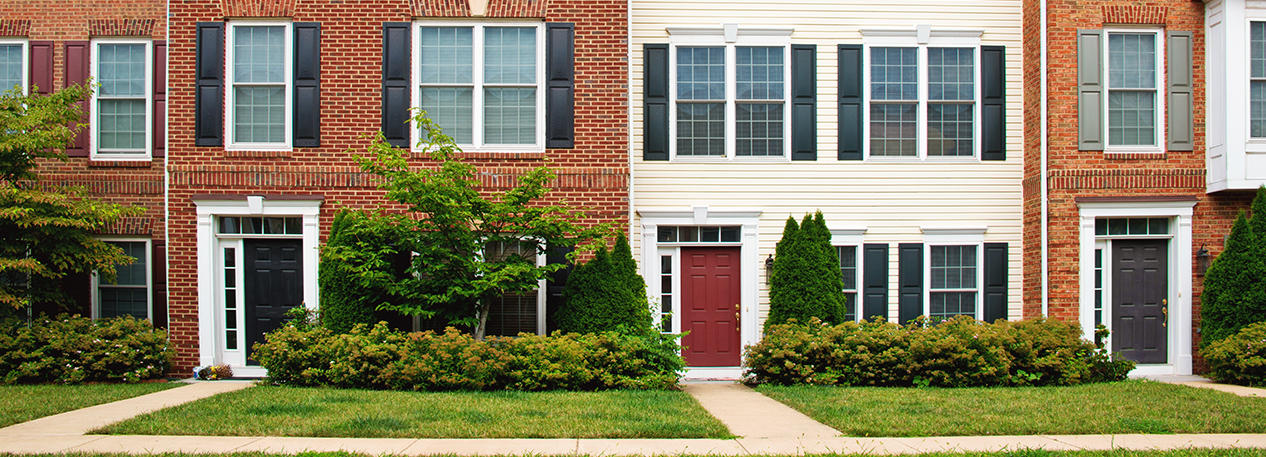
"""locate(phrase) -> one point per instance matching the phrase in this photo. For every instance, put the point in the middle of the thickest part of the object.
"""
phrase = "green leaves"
(806, 278)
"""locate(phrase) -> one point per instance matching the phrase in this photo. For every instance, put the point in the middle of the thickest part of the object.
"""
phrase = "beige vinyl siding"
(891, 199)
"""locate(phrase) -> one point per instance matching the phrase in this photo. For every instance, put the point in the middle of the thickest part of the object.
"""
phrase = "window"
(130, 295)
(848, 279)
(121, 104)
(1257, 80)
(258, 103)
(1133, 67)
(482, 84)
(923, 101)
(666, 293)
(514, 313)
(731, 101)
(12, 65)
(672, 234)
(954, 283)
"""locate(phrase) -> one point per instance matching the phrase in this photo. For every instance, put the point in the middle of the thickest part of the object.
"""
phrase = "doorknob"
(737, 327)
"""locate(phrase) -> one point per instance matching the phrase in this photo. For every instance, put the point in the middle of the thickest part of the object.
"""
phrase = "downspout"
(628, 104)
(1046, 295)
(167, 176)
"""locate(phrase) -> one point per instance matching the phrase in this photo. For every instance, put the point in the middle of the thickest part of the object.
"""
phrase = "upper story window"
(1128, 100)
(259, 92)
(1134, 105)
(121, 105)
(482, 83)
(13, 65)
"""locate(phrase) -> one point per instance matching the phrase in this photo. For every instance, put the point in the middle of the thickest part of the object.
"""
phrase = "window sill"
(722, 159)
(257, 154)
(1158, 155)
(138, 163)
(487, 155)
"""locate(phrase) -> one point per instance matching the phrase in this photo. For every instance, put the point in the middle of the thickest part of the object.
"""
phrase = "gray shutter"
(208, 124)
(993, 118)
(560, 86)
(396, 65)
(307, 108)
(909, 281)
(1179, 103)
(1090, 90)
(995, 285)
(875, 281)
(850, 103)
(804, 88)
(655, 102)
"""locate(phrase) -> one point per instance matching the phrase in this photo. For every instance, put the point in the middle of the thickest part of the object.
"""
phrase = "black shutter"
(910, 281)
(993, 122)
(396, 65)
(655, 102)
(208, 124)
(557, 282)
(560, 85)
(804, 87)
(995, 281)
(850, 104)
(307, 108)
(875, 281)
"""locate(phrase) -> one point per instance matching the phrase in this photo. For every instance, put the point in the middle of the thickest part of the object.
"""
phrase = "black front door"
(1140, 306)
(274, 285)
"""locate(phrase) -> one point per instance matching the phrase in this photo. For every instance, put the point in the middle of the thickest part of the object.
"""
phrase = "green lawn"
(1112, 408)
(288, 411)
(24, 403)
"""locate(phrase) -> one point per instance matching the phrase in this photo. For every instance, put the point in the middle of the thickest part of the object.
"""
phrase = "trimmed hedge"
(1239, 358)
(960, 352)
(606, 294)
(306, 354)
(74, 349)
(805, 281)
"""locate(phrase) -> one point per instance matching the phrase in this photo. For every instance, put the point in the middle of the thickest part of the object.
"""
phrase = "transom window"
(1132, 226)
(259, 73)
(12, 65)
(1257, 80)
(731, 101)
(261, 225)
(923, 101)
(953, 289)
(481, 83)
(129, 296)
(1133, 68)
(671, 234)
(121, 103)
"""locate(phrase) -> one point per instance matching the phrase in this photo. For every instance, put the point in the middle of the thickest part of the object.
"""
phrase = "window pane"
(1132, 118)
(950, 129)
(700, 73)
(759, 129)
(133, 274)
(510, 116)
(1132, 60)
(1257, 109)
(700, 129)
(259, 54)
(121, 124)
(511, 314)
(510, 55)
(10, 67)
(951, 74)
(445, 54)
(1257, 49)
(950, 304)
(259, 114)
(848, 266)
(117, 302)
(729, 234)
(850, 306)
(760, 73)
(893, 129)
(953, 267)
(894, 74)
(451, 108)
(121, 70)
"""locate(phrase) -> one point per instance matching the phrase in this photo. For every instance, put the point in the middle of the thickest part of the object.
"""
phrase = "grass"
(288, 411)
(1112, 408)
(23, 403)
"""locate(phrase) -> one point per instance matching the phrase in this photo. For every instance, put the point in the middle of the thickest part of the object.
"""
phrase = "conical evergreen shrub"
(805, 282)
(605, 294)
(1235, 286)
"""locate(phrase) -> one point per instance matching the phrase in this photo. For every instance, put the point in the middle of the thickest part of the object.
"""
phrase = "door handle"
(737, 327)
(1165, 312)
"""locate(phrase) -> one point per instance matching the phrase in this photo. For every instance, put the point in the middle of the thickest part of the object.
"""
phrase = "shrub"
(606, 294)
(805, 282)
(1239, 358)
(1235, 286)
(74, 349)
(359, 263)
(959, 352)
(305, 354)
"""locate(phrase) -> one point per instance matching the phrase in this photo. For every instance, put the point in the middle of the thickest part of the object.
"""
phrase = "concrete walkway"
(763, 426)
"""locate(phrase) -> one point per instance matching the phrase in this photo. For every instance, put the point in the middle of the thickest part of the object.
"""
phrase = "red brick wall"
(1074, 173)
(594, 174)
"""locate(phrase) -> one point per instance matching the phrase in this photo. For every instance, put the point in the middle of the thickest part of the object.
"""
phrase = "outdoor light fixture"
(769, 267)
(1202, 260)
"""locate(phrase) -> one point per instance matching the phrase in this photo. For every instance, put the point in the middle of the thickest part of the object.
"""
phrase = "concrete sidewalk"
(764, 426)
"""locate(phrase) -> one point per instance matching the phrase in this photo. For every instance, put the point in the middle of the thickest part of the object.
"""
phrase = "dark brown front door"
(710, 303)
(1140, 292)
(274, 285)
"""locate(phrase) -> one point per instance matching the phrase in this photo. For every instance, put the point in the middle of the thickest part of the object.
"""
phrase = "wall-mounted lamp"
(1202, 260)
(769, 267)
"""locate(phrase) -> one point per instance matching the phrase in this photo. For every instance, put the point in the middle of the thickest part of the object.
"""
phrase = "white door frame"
(1180, 254)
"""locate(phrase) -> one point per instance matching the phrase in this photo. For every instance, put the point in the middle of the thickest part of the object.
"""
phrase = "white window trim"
(1255, 144)
(729, 36)
(922, 37)
(477, 99)
(26, 63)
(149, 278)
(955, 236)
(94, 111)
(852, 238)
(1160, 91)
(287, 83)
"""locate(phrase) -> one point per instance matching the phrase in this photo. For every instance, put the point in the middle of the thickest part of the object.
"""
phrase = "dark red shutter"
(42, 67)
(77, 72)
(159, 273)
(160, 99)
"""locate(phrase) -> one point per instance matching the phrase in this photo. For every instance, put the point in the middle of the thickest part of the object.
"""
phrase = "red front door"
(710, 305)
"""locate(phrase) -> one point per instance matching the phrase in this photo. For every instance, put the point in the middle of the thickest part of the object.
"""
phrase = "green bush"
(959, 352)
(1234, 293)
(305, 354)
(606, 294)
(74, 349)
(1239, 358)
(358, 267)
(805, 282)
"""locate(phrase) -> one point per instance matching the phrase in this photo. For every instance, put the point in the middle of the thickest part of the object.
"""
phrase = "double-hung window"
(954, 288)
(130, 294)
(482, 83)
(1133, 77)
(731, 100)
(512, 313)
(13, 58)
(259, 93)
(121, 105)
(923, 99)
(1128, 99)
(1257, 80)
